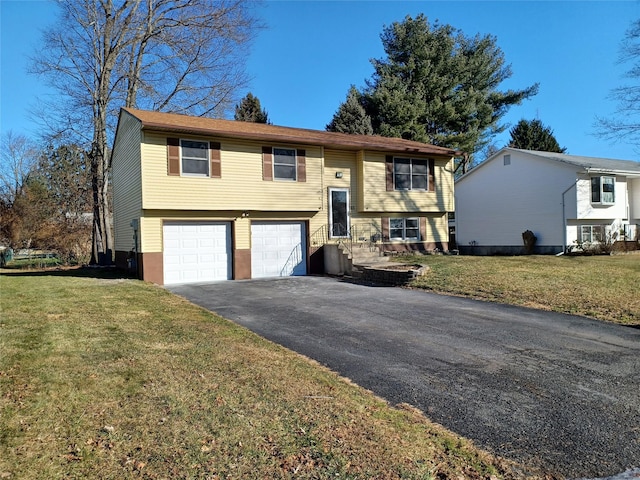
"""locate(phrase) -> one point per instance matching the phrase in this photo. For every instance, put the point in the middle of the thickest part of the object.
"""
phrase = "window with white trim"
(194, 157)
(603, 190)
(284, 164)
(404, 229)
(592, 233)
(410, 174)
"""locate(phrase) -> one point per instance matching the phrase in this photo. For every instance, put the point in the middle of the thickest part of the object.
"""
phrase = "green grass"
(113, 378)
(602, 287)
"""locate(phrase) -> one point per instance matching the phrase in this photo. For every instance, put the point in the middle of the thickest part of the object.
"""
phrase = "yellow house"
(199, 199)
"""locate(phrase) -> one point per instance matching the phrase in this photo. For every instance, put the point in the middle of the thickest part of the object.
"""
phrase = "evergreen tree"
(351, 116)
(533, 135)
(438, 86)
(250, 110)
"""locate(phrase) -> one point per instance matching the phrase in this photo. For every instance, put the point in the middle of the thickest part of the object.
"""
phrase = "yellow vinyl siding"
(241, 186)
(376, 198)
(345, 162)
(151, 225)
(125, 175)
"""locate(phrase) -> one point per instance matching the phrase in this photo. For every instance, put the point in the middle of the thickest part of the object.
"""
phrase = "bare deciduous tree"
(21, 194)
(183, 56)
(626, 123)
(18, 158)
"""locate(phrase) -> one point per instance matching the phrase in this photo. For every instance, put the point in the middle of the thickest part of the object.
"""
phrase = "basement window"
(404, 229)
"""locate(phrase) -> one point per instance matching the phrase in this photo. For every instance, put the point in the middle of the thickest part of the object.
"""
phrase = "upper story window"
(280, 163)
(603, 190)
(195, 157)
(404, 229)
(284, 164)
(410, 174)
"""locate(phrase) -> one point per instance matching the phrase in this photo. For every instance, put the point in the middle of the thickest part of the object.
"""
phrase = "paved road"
(554, 391)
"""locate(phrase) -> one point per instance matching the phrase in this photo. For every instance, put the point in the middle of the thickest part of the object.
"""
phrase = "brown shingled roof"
(171, 122)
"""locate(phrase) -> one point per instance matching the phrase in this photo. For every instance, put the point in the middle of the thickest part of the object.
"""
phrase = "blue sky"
(303, 64)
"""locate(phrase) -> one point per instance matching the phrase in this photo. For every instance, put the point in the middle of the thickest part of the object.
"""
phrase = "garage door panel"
(196, 252)
(278, 249)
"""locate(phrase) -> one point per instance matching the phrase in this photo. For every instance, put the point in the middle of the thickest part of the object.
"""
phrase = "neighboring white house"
(562, 199)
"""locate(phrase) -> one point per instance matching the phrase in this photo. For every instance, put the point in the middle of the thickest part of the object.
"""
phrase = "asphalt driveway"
(555, 391)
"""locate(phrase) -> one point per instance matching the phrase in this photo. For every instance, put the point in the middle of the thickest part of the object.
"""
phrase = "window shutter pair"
(267, 164)
(173, 158)
(389, 174)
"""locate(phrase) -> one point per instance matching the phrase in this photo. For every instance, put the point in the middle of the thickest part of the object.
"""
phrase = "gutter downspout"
(564, 217)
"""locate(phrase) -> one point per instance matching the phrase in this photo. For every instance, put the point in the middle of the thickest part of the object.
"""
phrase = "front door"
(338, 212)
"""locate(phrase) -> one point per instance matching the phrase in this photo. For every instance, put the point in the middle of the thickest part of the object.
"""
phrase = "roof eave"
(609, 171)
(352, 145)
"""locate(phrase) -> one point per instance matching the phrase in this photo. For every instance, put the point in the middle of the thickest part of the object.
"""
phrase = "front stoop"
(338, 260)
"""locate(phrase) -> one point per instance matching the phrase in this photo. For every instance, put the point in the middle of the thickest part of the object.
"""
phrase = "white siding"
(592, 211)
(497, 202)
(634, 200)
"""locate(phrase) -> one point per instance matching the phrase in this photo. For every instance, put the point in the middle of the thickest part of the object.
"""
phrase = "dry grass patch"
(116, 379)
(602, 287)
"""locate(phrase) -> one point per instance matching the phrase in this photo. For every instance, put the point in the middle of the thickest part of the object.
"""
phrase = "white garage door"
(278, 249)
(196, 252)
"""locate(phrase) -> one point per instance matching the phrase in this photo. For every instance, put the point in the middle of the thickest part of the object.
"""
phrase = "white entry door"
(278, 249)
(196, 252)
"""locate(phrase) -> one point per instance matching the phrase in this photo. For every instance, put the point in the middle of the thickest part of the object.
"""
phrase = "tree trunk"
(102, 241)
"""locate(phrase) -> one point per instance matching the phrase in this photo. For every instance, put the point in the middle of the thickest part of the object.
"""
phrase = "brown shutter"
(423, 228)
(302, 165)
(384, 226)
(432, 176)
(173, 156)
(389, 170)
(267, 163)
(214, 156)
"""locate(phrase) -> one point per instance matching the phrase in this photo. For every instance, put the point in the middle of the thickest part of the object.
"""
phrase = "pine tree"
(250, 110)
(533, 135)
(438, 86)
(351, 116)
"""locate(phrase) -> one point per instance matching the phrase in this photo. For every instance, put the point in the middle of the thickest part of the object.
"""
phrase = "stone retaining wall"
(389, 275)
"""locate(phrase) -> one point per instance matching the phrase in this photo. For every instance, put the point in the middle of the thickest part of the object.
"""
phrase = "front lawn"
(113, 378)
(602, 287)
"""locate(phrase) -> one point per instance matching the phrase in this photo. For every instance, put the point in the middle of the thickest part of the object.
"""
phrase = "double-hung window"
(284, 164)
(404, 229)
(603, 190)
(592, 233)
(195, 157)
(410, 174)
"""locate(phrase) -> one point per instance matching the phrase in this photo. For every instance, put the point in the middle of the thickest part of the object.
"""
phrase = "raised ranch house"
(567, 201)
(198, 199)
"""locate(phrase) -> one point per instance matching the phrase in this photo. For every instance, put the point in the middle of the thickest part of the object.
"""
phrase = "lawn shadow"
(99, 272)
